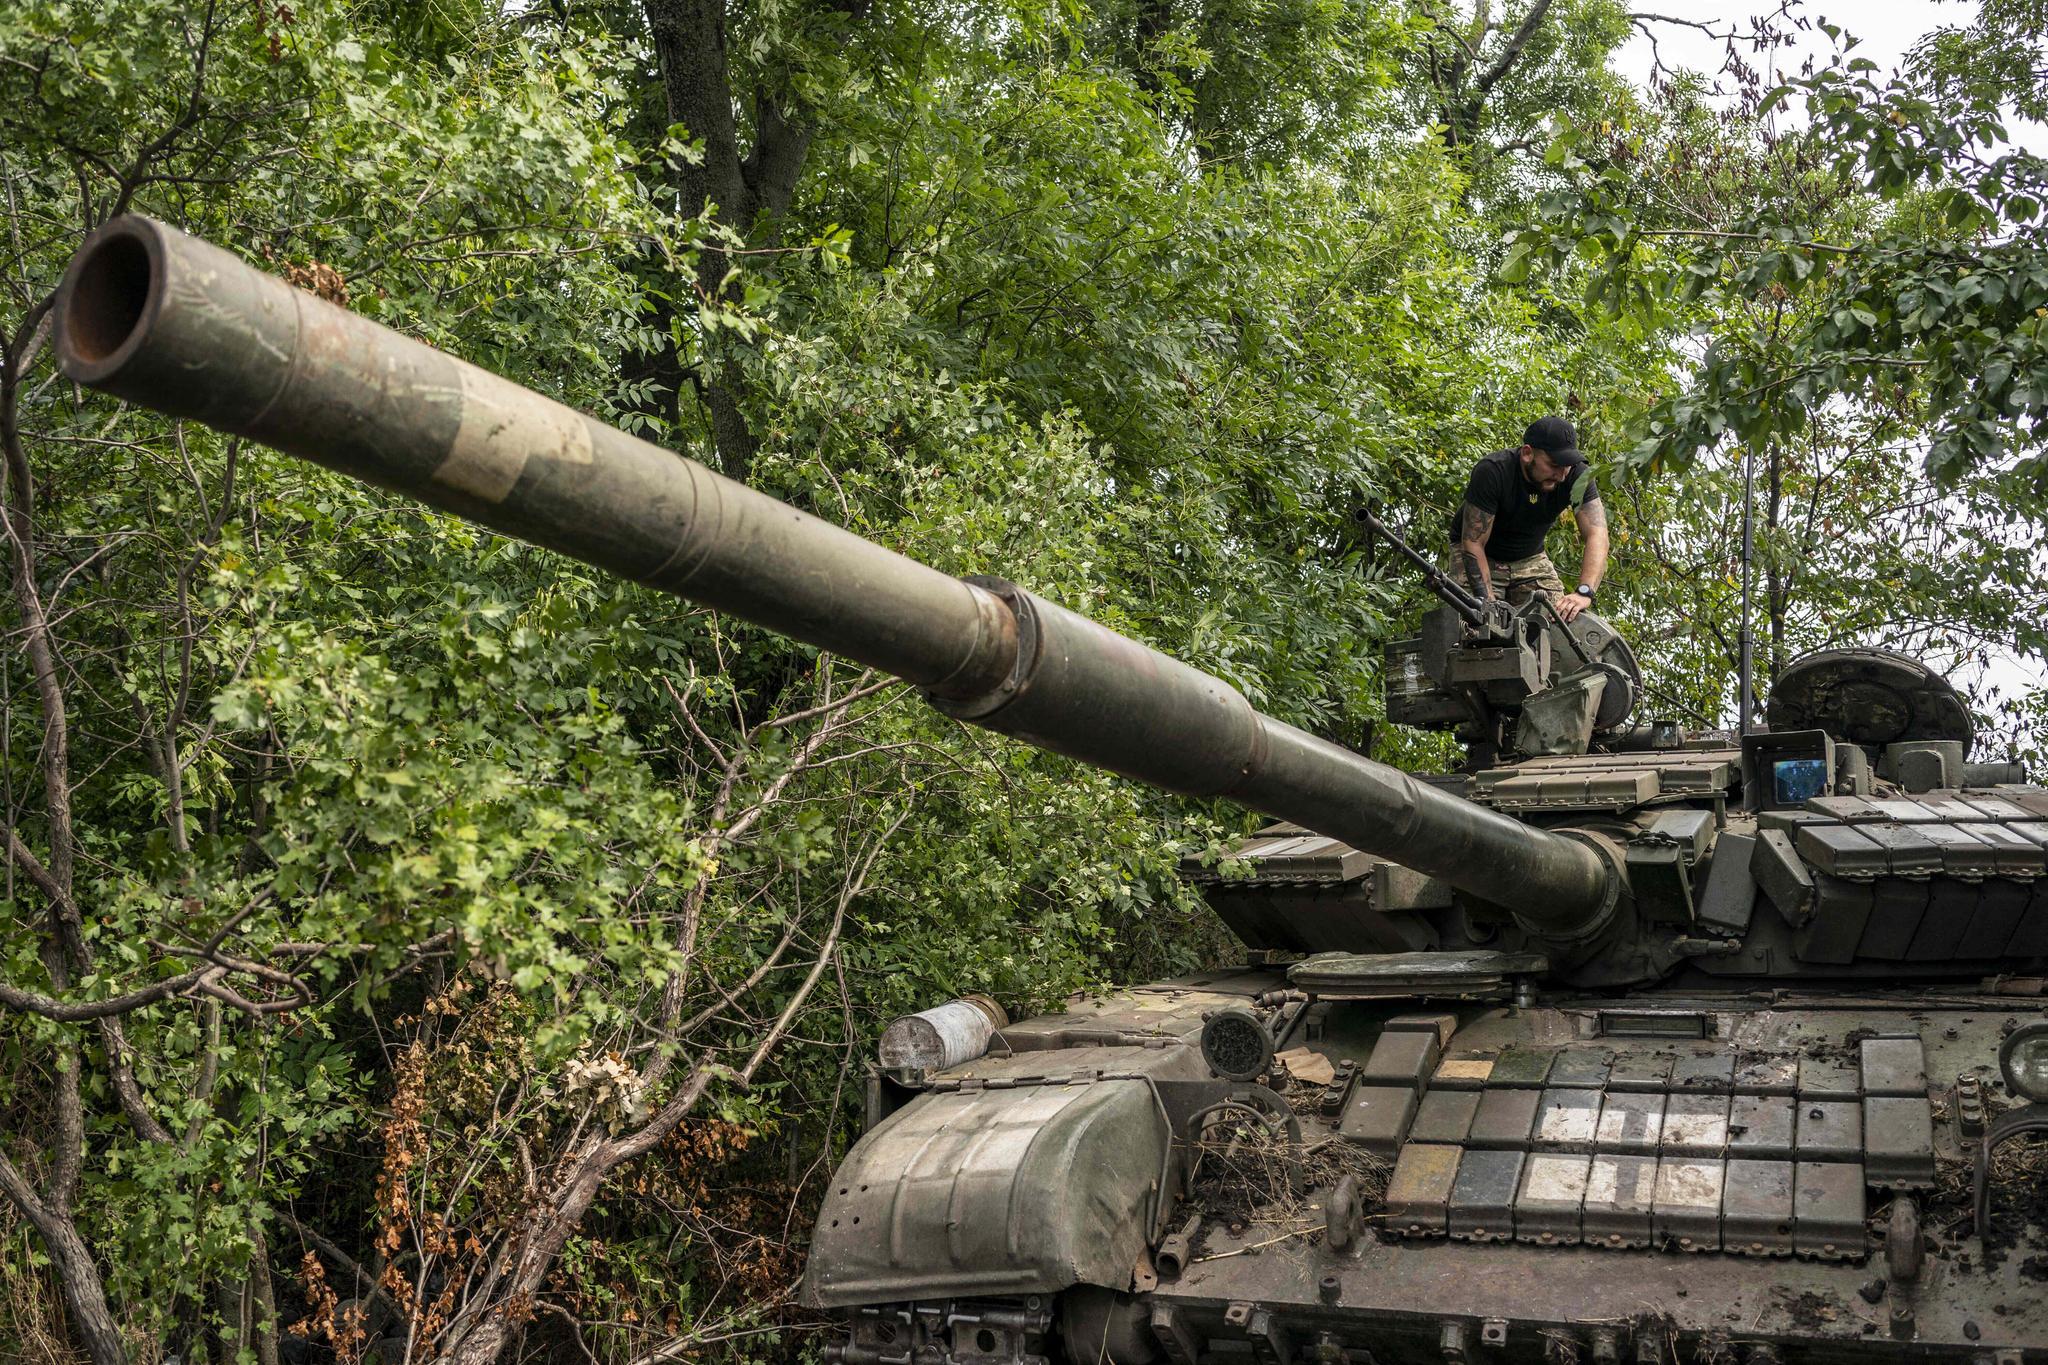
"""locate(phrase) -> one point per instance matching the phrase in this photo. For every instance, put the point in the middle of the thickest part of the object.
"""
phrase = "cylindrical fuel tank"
(944, 1036)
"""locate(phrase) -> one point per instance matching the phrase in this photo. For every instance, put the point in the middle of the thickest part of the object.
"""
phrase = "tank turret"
(1618, 1042)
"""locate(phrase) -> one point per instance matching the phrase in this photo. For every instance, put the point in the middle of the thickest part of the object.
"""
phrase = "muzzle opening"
(108, 296)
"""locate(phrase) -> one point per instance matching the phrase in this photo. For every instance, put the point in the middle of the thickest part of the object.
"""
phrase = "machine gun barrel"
(164, 320)
(1441, 583)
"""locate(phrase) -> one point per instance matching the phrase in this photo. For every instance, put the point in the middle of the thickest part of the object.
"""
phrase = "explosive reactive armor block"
(1567, 1120)
(1483, 1196)
(1898, 1141)
(1401, 1058)
(1827, 1210)
(1552, 1198)
(1761, 1126)
(1444, 1116)
(1377, 1117)
(1505, 1118)
(1687, 1211)
(1419, 1191)
(1630, 1123)
(1756, 1208)
(1620, 1191)
(1695, 1126)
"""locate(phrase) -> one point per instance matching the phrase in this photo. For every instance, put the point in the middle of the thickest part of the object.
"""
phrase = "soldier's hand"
(1569, 606)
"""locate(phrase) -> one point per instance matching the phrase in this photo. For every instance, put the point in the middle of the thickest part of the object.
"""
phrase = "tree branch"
(69, 1011)
(365, 1283)
(1524, 31)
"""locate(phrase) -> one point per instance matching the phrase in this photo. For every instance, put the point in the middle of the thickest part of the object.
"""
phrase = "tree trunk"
(696, 81)
(549, 1228)
(85, 1294)
(231, 1301)
(689, 46)
(554, 1221)
(264, 1318)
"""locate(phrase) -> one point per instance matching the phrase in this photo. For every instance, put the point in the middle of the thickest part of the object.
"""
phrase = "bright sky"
(1888, 29)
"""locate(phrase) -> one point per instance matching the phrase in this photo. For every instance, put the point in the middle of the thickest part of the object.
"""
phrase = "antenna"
(1744, 659)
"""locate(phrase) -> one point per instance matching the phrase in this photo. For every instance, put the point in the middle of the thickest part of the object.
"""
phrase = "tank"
(1617, 1042)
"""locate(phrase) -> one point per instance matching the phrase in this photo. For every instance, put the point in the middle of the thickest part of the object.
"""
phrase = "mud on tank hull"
(1662, 1176)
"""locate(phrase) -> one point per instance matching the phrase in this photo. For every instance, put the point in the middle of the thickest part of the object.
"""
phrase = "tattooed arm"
(1474, 526)
(1592, 519)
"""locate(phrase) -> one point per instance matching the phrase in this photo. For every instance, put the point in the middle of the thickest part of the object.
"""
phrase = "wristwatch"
(1586, 591)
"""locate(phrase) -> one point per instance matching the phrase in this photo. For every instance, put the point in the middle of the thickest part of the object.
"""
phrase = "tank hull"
(1264, 1282)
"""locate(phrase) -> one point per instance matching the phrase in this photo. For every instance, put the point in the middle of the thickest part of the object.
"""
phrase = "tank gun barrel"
(170, 322)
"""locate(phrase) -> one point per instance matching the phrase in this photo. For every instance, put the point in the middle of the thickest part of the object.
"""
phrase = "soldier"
(1511, 501)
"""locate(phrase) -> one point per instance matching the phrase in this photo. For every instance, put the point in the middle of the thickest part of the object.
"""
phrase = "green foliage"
(1488, 82)
(1895, 242)
(297, 713)
(1860, 294)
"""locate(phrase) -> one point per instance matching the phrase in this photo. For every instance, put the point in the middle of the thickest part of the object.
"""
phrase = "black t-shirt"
(1522, 513)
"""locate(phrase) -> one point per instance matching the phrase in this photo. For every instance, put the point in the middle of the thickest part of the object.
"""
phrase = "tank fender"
(994, 1191)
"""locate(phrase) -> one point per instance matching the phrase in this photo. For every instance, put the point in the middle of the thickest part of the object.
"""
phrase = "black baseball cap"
(1554, 437)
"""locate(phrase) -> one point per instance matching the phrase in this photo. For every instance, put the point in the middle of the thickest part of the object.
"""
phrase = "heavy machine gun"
(1515, 678)
(1485, 616)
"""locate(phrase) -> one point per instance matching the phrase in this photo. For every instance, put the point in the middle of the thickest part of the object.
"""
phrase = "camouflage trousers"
(1515, 579)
